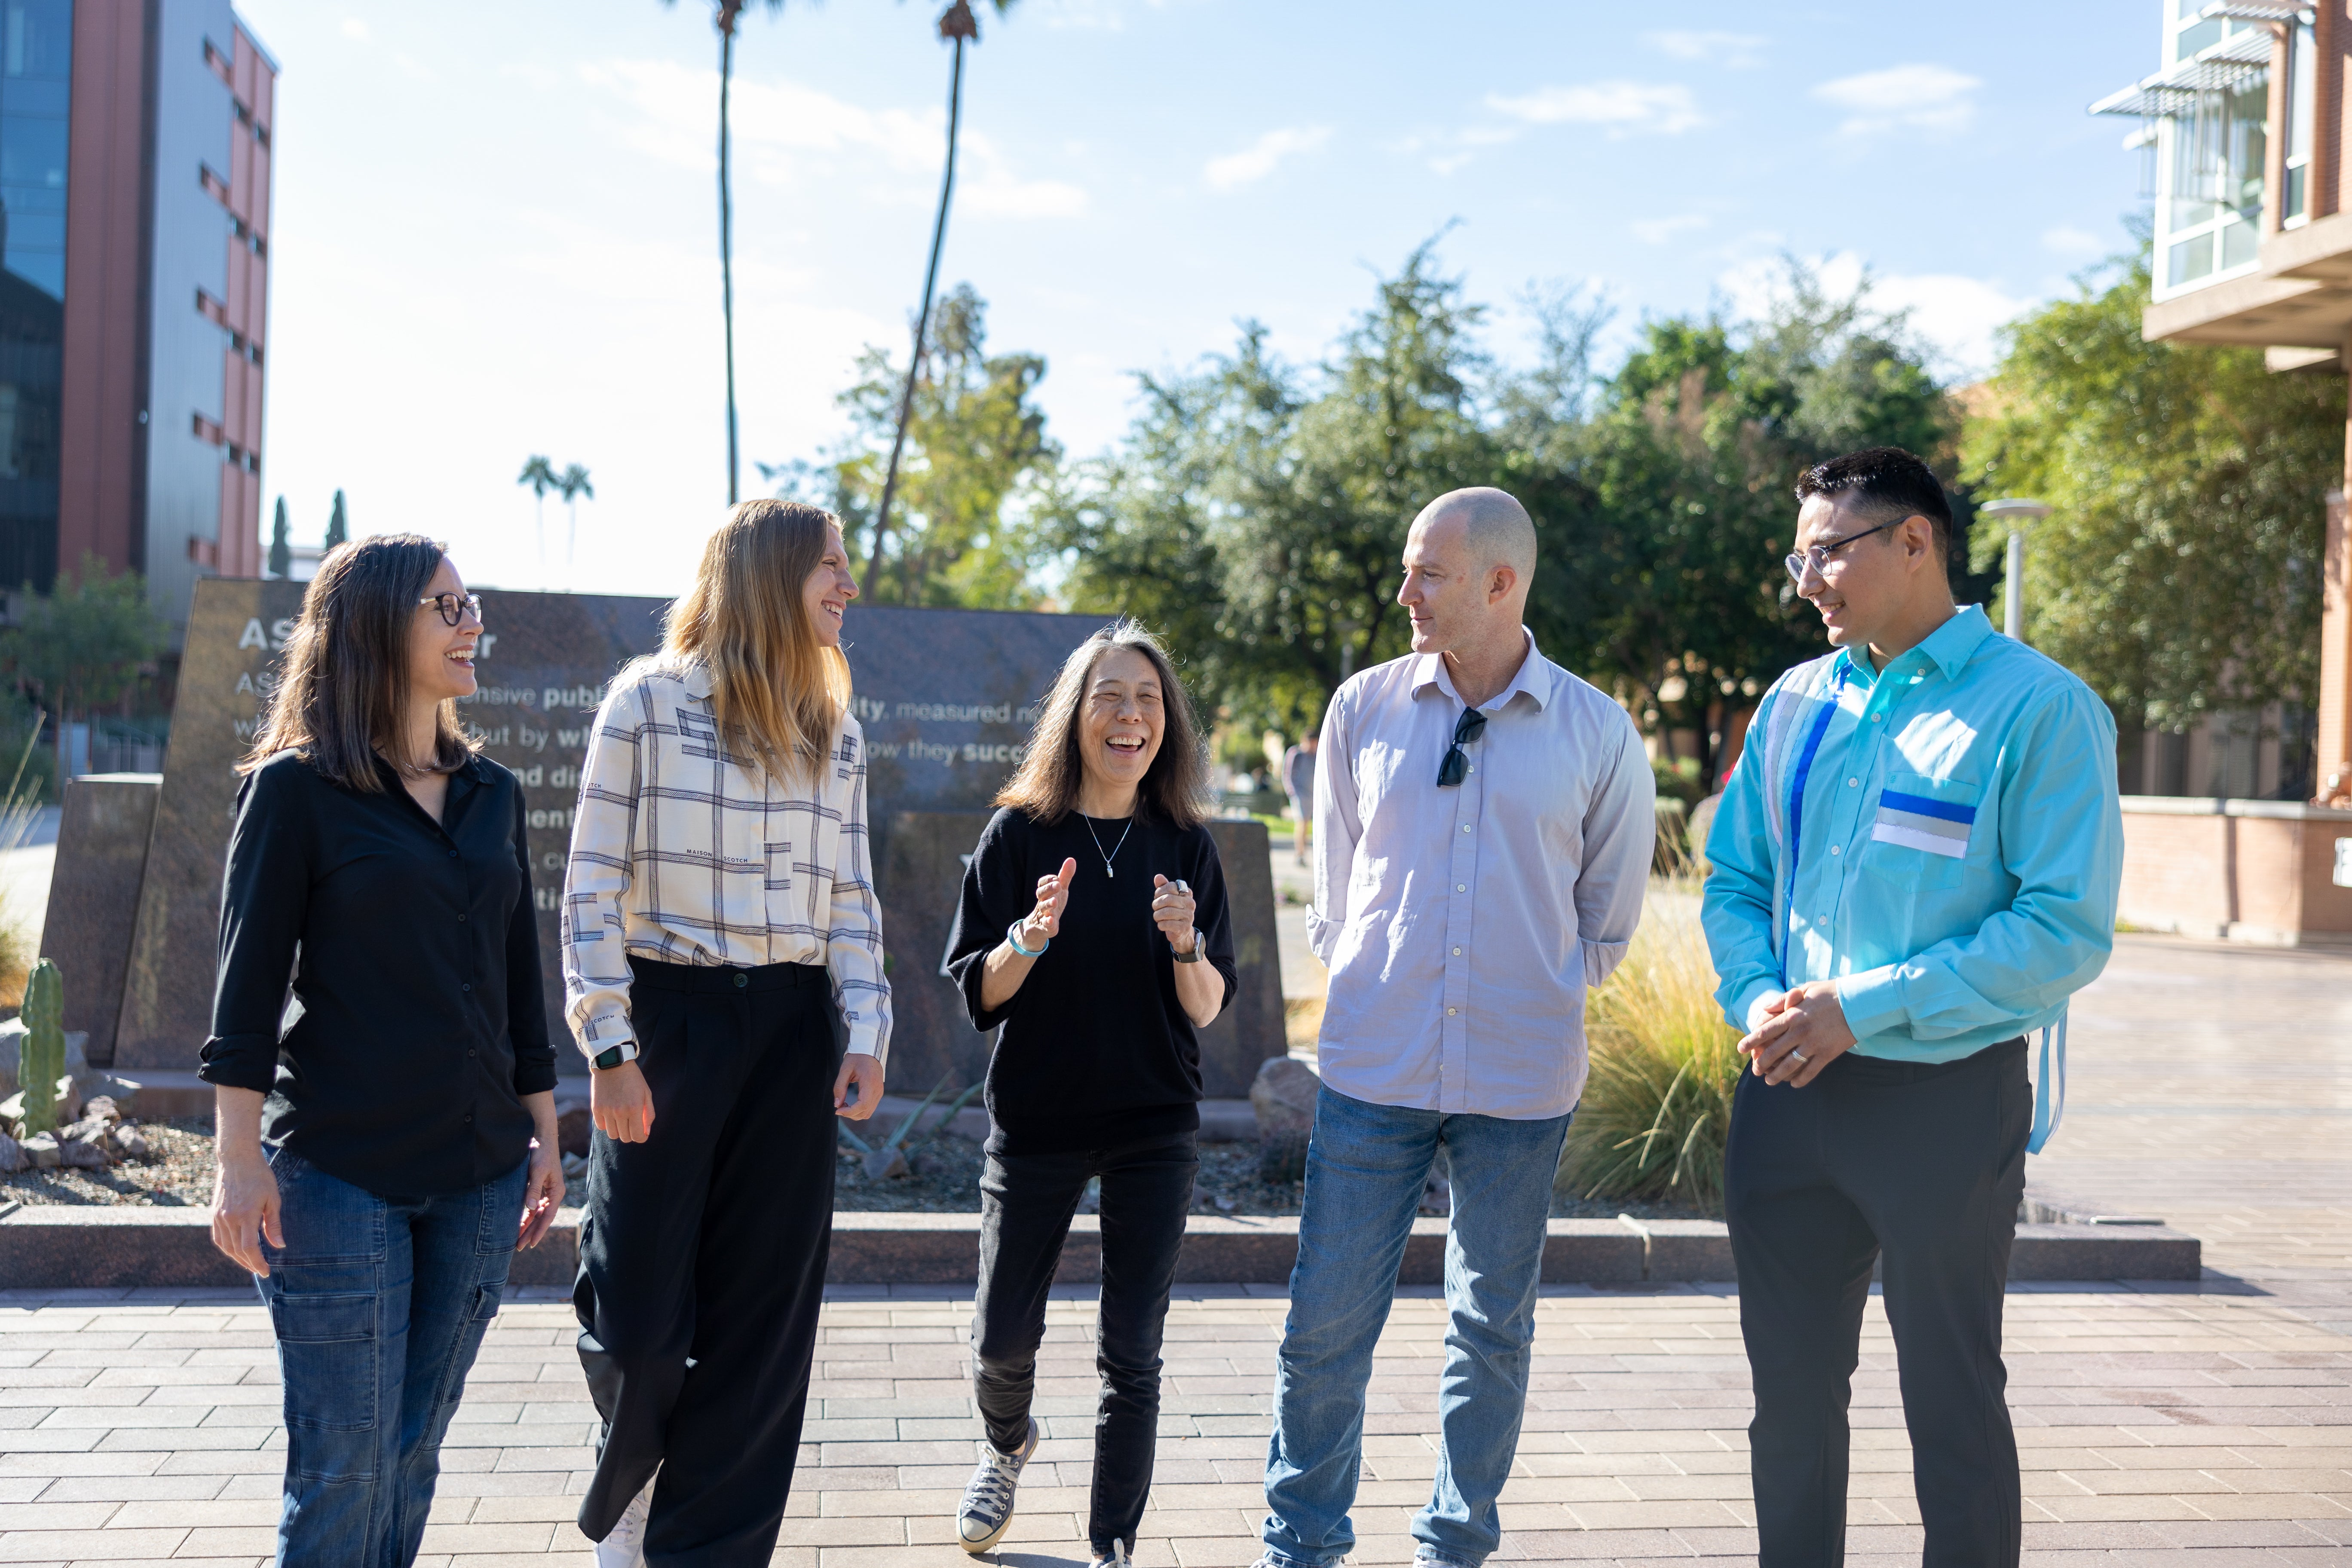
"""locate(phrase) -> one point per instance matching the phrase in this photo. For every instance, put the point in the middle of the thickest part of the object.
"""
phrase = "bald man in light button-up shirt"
(1484, 827)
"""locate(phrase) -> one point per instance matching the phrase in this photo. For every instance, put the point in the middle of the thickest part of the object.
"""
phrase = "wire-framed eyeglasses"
(1456, 767)
(1817, 556)
(454, 607)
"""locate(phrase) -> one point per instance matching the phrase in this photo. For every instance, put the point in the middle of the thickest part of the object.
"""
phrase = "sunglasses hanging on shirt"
(1466, 731)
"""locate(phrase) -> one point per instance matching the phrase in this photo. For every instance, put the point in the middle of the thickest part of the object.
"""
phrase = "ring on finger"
(1801, 1055)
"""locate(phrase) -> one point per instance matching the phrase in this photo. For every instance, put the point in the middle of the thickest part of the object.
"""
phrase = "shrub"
(1657, 1107)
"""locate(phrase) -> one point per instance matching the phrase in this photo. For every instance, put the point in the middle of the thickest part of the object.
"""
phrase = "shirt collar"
(1534, 676)
(695, 678)
(1950, 646)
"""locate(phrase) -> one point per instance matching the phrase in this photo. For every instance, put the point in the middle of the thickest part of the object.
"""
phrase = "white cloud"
(1958, 316)
(784, 133)
(1260, 158)
(356, 29)
(2067, 240)
(1624, 107)
(1658, 230)
(1914, 96)
(1739, 51)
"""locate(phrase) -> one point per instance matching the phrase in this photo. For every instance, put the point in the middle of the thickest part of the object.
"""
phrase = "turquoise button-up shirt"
(1940, 838)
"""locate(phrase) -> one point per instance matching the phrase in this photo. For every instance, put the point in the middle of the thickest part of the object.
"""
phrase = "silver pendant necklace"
(1114, 848)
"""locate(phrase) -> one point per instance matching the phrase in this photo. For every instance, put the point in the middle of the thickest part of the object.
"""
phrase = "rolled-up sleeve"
(264, 898)
(853, 935)
(596, 877)
(1621, 834)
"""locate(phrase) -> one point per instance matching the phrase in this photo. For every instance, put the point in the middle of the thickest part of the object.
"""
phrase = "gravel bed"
(944, 1178)
(180, 1176)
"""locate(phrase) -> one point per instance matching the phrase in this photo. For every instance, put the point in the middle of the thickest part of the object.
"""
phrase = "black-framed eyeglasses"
(454, 608)
(1456, 767)
(1817, 556)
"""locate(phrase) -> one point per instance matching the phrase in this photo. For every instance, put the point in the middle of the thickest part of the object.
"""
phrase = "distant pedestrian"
(1094, 931)
(1485, 825)
(1299, 787)
(386, 1132)
(722, 939)
(1915, 864)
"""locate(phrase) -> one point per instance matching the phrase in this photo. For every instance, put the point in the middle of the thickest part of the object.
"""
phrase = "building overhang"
(2300, 296)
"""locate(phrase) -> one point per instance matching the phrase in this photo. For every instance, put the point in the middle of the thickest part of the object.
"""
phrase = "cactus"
(43, 1060)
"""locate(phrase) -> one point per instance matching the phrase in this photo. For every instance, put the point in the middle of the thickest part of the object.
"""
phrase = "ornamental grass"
(1657, 1107)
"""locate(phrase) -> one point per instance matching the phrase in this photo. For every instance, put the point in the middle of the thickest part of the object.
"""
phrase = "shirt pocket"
(1921, 830)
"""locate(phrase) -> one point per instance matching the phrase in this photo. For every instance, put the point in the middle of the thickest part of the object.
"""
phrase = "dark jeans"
(1920, 1167)
(1026, 1203)
(702, 1259)
(379, 1305)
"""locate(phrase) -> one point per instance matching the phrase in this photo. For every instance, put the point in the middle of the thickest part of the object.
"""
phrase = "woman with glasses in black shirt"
(386, 1138)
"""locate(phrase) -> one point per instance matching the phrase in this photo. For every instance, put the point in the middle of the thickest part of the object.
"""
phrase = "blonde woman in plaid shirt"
(720, 935)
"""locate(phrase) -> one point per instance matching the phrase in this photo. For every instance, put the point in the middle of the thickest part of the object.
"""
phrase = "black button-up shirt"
(413, 951)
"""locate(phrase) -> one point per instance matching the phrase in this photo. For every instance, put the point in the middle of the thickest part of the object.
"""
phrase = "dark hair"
(342, 690)
(1174, 787)
(1880, 484)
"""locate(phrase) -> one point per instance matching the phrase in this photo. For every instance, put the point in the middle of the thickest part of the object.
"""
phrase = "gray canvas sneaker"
(987, 1507)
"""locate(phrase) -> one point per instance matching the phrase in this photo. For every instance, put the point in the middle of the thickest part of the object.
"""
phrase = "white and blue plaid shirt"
(685, 853)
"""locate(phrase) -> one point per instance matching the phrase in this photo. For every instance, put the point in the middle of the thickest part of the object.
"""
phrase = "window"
(2301, 71)
(2215, 144)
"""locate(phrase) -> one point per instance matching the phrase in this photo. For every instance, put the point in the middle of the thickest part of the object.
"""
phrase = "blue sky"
(495, 225)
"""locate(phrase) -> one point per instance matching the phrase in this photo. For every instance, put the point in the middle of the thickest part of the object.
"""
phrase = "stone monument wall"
(944, 698)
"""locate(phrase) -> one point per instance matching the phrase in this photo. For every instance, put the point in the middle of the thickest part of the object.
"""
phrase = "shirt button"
(473, 1052)
(1851, 783)
(1466, 827)
(461, 919)
(453, 854)
(1450, 1012)
(1833, 848)
(467, 985)
(469, 1116)
(1876, 718)
(1457, 952)
(741, 981)
(1461, 887)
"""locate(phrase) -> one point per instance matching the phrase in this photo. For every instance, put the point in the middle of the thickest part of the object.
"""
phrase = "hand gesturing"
(1044, 923)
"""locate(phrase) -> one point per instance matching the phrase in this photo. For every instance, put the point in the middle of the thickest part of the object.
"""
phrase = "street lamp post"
(2017, 513)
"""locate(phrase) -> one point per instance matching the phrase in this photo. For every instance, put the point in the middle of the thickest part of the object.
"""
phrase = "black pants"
(1921, 1166)
(702, 1259)
(1026, 1203)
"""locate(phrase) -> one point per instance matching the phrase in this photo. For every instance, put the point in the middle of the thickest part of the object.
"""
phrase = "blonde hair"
(775, 691)
(1175, 788)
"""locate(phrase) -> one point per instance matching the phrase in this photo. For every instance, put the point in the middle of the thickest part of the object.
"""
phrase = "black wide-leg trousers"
(1919, 1167)
(702, 1259)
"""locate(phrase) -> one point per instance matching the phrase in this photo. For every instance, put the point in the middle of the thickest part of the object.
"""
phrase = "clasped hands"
(1802, 1032)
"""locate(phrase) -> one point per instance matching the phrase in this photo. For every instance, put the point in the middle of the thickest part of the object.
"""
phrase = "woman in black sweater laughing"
(1094, 929)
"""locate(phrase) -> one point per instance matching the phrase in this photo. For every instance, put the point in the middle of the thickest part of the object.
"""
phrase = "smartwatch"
(612, 1057)
(1193, 956)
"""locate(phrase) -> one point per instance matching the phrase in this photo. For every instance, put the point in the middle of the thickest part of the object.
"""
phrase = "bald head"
(1495, 527)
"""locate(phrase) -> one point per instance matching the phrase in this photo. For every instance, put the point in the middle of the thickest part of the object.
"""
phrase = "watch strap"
(612, 1057)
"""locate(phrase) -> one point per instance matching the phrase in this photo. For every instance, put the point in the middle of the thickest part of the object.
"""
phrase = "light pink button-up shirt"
(1462, 925)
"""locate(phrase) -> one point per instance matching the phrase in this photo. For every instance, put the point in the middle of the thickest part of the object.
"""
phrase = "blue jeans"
(378, 1305)
(1366, 1168)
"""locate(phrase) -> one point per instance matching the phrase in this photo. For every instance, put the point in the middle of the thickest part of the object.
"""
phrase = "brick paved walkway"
(2172, 1427)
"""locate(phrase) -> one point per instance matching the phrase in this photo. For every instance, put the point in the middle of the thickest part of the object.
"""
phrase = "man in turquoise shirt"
(1915, 865)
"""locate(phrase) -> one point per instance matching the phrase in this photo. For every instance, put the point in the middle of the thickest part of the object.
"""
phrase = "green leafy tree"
(976, 445)
(1258, 514)
(339, 524)
(79, 648)
(2179, 569)
(281, 544)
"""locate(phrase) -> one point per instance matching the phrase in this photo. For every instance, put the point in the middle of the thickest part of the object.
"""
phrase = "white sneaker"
(625, 1546)
(1117, 1557)
(987, 1508)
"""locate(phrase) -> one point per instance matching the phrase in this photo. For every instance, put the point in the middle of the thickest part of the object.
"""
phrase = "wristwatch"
(612, 1057)
(1193, 956)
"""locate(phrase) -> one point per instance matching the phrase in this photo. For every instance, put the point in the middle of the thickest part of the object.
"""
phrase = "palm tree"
(540, 475)
(724, 13)
(573, 482)
(959, 26)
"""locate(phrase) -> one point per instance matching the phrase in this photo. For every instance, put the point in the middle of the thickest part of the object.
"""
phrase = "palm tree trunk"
(922, 322)
(727, 237)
